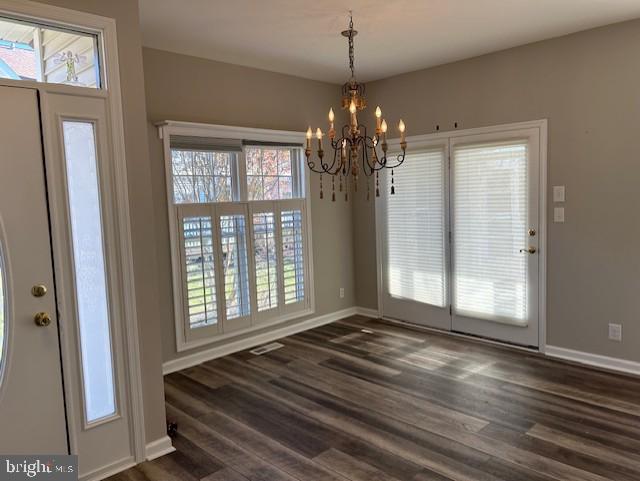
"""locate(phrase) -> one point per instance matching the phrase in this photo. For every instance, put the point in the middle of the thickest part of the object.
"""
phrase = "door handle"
(530, 250)
(42, 319)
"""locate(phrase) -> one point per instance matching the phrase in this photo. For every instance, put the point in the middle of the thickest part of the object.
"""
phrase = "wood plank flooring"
(396, 404)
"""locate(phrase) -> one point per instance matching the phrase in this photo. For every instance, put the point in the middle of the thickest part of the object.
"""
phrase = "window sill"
(183, 345)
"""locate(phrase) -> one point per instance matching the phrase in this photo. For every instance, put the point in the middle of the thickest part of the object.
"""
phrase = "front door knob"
(530, 250)
(42, 319)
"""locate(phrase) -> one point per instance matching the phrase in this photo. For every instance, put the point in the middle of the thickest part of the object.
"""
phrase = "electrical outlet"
(615, 332)
(342, 293)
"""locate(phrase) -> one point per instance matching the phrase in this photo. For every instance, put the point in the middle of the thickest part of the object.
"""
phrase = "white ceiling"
(302, 37)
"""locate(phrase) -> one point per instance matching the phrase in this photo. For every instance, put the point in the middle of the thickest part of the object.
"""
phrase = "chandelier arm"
(312, 167)
(365, 158)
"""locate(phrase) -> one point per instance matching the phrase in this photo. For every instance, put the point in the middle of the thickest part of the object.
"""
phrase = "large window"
(239, 216)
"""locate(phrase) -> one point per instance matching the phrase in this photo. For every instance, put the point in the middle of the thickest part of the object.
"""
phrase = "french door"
(461, 237)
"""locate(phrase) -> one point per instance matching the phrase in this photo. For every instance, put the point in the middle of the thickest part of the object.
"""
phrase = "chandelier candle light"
(354, 151)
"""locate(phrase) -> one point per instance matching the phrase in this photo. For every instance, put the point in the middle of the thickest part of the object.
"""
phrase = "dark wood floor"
(389, 403)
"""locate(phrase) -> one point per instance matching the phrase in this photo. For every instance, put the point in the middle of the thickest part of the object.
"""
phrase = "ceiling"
(302, 37)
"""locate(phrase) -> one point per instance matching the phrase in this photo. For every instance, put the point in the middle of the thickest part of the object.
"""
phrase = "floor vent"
(258, 351)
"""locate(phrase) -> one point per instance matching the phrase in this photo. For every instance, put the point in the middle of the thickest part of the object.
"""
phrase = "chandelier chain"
(351, 53)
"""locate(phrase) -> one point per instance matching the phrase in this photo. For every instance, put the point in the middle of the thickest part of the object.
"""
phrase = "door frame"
(105, 29)
(542, 126)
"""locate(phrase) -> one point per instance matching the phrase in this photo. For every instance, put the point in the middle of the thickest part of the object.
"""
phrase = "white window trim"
(424, 140)
(167, 129)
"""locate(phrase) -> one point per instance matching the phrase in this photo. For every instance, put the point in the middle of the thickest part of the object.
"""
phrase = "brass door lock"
(39, 290)
(42, 319)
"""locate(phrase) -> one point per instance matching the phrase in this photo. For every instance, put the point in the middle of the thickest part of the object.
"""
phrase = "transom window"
(270, 173)
(201, 176)
(238, 214)
(29, 51)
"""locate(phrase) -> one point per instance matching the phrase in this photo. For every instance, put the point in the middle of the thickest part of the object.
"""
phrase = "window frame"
(187, 338)
(50, 19)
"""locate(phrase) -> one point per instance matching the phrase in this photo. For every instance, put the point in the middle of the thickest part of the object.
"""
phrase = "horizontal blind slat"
(416, 260)
(490, 195)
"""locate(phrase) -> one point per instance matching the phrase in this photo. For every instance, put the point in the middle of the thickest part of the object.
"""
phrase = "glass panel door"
(415, 245)
(494, 224)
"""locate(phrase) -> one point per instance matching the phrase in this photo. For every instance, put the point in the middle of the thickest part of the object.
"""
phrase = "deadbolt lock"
(42, 319)
(532, 232)
(39, 290)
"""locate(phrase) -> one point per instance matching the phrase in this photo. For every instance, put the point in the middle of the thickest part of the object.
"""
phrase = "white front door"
(32, 416)
(461, 236)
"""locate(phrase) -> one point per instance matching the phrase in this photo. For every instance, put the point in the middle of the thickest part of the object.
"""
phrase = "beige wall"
(125, 12)
(180, 87)
(587, 86)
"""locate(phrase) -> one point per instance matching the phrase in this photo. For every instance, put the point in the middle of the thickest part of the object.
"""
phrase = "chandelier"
(354, 151)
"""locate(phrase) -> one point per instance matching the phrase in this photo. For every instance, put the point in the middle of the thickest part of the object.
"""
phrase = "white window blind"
(264, 244)
(292, 256)
(416, 229)
(489, 228)
(234, 258)
(200, 281)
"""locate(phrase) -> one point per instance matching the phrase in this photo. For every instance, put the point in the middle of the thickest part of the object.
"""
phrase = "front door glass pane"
(89, 268)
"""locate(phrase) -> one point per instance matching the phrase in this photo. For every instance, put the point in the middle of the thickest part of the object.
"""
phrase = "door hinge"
(450, 310)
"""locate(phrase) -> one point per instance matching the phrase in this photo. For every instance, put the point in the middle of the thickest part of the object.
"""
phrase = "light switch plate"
(558, 214)
(558, 193)
(615, 332)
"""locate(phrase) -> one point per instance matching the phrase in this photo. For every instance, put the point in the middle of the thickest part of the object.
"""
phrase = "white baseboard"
(230, 347)
(109, 470)
(596, 360)
(158, 448)
(366, 312)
